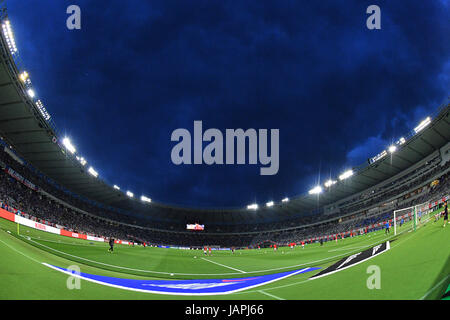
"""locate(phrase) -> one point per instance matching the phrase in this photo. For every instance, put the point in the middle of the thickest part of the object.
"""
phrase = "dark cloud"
(137, 70)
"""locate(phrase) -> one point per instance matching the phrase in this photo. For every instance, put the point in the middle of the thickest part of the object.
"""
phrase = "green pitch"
(416, 267)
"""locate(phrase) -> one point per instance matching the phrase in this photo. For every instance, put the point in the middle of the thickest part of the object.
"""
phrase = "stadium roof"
(28, 129)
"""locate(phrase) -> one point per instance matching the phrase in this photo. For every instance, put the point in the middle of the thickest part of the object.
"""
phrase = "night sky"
(338, 92)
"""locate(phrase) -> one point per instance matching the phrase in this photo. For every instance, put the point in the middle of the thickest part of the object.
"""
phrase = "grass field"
(416, 267)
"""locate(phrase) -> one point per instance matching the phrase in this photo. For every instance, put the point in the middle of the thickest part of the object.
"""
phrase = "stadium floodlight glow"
(316, 190)
(24, 76)
(9, 36)
(31, 93)
(329, 183)
(69, 146)
(422, 125)
(270, 204)
(116, 187)
(82, 160)
(130, 194)
(346, 174)
(93, 172)
(285, 200)
(252, 206)
(401, 141)
(392, 149)
(145, 199)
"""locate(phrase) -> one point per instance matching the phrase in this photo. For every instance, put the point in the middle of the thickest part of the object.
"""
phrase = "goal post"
(411, 218)
(405, 216)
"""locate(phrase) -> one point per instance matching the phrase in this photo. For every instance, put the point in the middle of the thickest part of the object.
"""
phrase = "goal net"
(413, 217)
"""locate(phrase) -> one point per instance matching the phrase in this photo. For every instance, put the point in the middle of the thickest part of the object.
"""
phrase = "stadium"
(57, 217)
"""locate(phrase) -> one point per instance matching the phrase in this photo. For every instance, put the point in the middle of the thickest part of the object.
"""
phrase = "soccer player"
(111, 245)
(445, 212)
(387, 228)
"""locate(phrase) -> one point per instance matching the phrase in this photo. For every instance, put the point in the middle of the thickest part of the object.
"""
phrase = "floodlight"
(68, 145)
(329, 183)
(285, 200)
(24, 76)
(270, 204)
(145, 199)
(401, 141)
(9, 37)
(346, 175)
(130, 194)
(316, 190)
(422, 125)
(116, 187)
(82, 160)
(31, 93)
(392, 149)
(93, 172)
(252, 206)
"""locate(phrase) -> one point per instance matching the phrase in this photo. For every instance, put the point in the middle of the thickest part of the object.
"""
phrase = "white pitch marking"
(434, 288)
(270, 295)
(208, 274)
(19, 252)
(224, 265)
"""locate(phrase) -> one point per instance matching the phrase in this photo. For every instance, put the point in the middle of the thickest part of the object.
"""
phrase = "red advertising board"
(73, 234)
(6, 215)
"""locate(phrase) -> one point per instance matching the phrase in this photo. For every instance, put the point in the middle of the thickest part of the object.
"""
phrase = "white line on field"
(434, 288)
(67, 243)
(224, 265)
(105, 264)
(205, 274)
(307, 280)
(19, 252)
(270, 295)
(342, 249)
(278, 287)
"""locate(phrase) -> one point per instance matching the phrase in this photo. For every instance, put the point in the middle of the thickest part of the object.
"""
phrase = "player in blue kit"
(387, 228)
